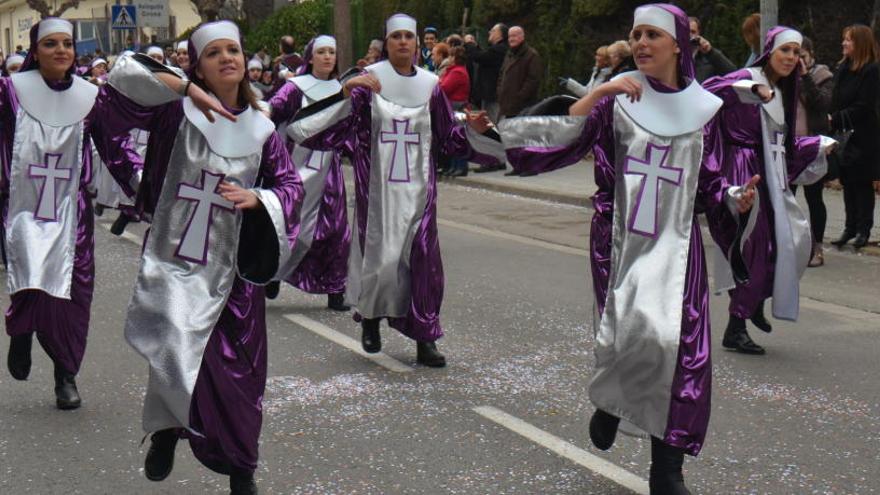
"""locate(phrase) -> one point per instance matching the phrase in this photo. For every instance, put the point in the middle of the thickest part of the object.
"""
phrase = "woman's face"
(601, 59)
(221, 64)
(808, 59)
(614, 58)
(784, 59)
(654, 50)
(267, 77)
(183, 58)
(847, 45)
(401, 47)
(13, 68)
(99, 70)
(323, 62)
(436, 57)
(55, 55)
(255, 73)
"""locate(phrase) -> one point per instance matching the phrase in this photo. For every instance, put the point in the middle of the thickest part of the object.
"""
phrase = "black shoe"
(272, 289)
(459, 172)
(242, 484)
(482, 169)
(603, 429)
(666, 475)
(336, 302)
(99, 210)
(66, 394)
(737, 338)
(427, 354)
(119, 224)
(370, 338)
(19, 359)
(861, 241)
(160, 457)
(844, 238)
(760, 320)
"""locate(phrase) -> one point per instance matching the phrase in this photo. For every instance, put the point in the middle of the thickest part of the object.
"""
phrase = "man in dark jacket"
(520, 75)
(487, 65)
(708, 62)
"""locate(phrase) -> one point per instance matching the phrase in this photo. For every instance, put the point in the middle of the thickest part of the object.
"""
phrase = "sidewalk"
(574, 185)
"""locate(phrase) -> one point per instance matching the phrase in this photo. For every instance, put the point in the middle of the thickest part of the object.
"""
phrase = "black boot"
(66, 395)
(844, 238)
(19, 359)
(603, 429)
(370, 338)
(737, 338)
(861, 241)
(119, 224)
(99, 210)
(242, 484)
(427, 354)
(160, 457)
(760, 320)
(336, 302)
(666, 476)
(272, 289)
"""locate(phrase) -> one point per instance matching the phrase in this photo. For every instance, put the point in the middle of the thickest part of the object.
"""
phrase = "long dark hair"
(246, 95)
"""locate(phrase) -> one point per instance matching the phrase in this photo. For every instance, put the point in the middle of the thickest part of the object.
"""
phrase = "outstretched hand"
(746, 199)
(368, 81)
(208, 104)
(479, 121)
(622, 85)
(244, 199)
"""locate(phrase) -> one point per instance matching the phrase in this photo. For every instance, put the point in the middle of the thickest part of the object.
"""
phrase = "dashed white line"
(349, 343)
(513, 237)
(565, 449)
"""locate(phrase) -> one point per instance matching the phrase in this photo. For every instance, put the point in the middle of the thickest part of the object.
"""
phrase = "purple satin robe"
(62, 325)
(736, 135)
(324, 268)
(690, 405)
(226, 408)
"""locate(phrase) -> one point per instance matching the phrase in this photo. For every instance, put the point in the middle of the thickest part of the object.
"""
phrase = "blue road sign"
(123, 16)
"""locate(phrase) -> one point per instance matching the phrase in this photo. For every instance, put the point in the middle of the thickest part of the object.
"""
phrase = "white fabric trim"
(255, 64)
(98, 61)
(182, 45)
(400, 22)
(230, 139)
(14, 59)
(42, 102)
(406, 91)
(155, 50)
(774, 107)
(650, 15)
(323, 41)
(316, 89)
(52, 26)
(787, 36)
(220, 30)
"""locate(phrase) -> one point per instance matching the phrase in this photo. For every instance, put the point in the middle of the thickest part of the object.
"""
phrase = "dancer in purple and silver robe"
(47, 164)
(223, 198)
(319, 261)
(754, 134)
(400, 121)
(645, 128)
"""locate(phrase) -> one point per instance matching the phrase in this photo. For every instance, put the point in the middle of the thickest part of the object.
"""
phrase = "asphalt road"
(803, 419)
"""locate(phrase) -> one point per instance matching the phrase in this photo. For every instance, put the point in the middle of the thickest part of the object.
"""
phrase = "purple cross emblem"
(194, 243)
(47, 205)
(644, 216)
(402, 139)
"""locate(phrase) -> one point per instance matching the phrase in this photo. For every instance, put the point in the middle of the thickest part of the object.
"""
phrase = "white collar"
(774, 107)
(406, 91)
(43, 102)
(243, 137)
(316, 89)
(670, 114)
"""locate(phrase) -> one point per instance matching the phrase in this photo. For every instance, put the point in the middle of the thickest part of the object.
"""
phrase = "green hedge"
(301, 20)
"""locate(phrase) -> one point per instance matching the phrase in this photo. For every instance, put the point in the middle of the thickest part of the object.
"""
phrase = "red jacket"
(456, 84)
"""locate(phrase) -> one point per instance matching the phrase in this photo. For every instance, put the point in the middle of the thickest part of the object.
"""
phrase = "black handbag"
(842, 137)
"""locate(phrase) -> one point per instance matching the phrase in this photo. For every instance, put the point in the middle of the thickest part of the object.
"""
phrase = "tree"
(257, 10)
(209, 10)
(342, 29)
(43, 8)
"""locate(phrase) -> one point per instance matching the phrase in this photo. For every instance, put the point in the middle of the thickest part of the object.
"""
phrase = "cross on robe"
(777, 158)
(315, 161)
(194, 242)
(47, 205)
(653, 169)
(402, 139)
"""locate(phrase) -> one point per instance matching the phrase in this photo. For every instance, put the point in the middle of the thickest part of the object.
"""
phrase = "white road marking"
(349, 343)
(565, 449)
(513, 237)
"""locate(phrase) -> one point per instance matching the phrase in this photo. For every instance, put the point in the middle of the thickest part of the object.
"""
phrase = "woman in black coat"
(854, 106)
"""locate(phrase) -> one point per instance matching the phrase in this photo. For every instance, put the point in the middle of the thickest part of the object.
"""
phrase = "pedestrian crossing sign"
(123, 16)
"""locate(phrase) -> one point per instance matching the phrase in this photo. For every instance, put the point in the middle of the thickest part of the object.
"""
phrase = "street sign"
(152, 13)
(123, 16)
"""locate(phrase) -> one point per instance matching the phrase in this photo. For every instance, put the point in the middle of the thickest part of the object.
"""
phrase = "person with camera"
(708, 61)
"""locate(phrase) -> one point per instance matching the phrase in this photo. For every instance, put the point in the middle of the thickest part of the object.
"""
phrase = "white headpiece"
(14, 59)
(650, 15)
(53, 25)
(255, 64)
(220, 30)
(324, 41)
(98, 61)
(155, 50)
(126, 53)
(182, 45)
(400, 22)
(787, 36)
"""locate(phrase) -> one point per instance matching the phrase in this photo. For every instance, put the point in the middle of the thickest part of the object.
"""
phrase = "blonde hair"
(620, 48)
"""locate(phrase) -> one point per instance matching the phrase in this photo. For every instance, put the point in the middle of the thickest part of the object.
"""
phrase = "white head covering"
(98, 61)
(400, 22)
(182, 45)
(787, 36)
(324, 41)
(651, 15)
(126, 53)
(14, 59)
(54, 25)
(255, 64)
(155, 50)
(220, 30)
